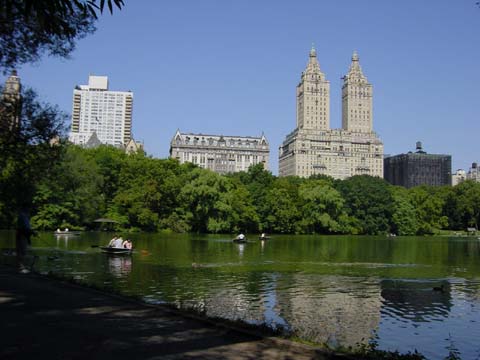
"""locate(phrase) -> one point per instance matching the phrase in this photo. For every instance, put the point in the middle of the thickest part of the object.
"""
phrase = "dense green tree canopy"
(369, 201)
(146, 194)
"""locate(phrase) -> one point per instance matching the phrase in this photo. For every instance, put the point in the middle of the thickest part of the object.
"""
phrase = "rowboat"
(115, 251)
(240, 241)
(263, 237)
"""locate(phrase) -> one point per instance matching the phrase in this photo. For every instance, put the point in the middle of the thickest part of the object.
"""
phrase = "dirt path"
(43, 318)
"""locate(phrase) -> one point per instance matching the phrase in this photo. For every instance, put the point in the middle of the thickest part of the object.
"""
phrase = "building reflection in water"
(236, 301)
(119, 266)
(335, 310)
(416, 301)
(331, 309)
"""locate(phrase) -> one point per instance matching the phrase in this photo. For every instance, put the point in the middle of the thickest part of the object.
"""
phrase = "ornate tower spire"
(12, 86)
(355, 72)
(11, 101)
(313, 67)
(313, 96)
(357, 106)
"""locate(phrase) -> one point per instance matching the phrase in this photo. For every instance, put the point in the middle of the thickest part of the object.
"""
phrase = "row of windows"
(239, 158)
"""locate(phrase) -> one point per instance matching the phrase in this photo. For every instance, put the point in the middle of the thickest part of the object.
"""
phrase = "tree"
(69, 196)
(283, 203)
(369, 200)
(30, 136)
(147, 192)
(322, 208)
(462, 205)
(429, 209)
(29, 148)
(199, 200)
(31, 28)
(404, 219)
(258, 181)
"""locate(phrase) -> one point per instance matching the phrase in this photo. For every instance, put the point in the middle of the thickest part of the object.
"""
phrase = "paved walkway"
(41, 318)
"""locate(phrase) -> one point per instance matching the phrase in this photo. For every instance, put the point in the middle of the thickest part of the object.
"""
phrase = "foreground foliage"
(148, 194)
(32, 28)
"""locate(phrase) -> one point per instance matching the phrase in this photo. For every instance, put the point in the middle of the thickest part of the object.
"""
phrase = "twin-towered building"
(313, 148)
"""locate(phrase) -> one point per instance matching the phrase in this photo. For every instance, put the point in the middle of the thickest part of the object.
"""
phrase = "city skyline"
(232, 68)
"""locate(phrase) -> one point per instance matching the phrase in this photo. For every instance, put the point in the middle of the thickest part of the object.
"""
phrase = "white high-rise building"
(99, 113)
(312, 148)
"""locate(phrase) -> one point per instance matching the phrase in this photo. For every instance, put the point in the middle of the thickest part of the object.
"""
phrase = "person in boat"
(241, 237)
(112, 242)
(263, 236)
(58, 230)
(66, 229)
(118, 242)
(127, 244)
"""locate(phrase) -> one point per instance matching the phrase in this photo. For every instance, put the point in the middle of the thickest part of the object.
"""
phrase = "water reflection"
(336, 290)
(62, 240)
(119, 266)
(333, 310)
(417, 301)
(241, 249)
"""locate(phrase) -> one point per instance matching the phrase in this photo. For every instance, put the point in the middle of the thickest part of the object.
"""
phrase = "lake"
(406, 293)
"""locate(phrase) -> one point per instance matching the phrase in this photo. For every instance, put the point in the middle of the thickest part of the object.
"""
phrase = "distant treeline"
(147, 194)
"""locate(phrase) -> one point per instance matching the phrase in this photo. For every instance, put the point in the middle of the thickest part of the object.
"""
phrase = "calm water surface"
(340, 290)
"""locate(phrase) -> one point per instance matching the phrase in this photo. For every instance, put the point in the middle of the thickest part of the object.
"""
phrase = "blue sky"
(231, 67)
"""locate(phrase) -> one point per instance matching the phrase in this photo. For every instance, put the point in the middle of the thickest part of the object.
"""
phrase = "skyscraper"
(313, 97)
(101, 113)
(315, 149)
(357, 102)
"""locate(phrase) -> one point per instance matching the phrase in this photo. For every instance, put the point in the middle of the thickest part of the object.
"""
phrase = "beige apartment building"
(222, 154)
(312, 148)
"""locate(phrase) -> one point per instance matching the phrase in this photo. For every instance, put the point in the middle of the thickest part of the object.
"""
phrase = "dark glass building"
(418, 168)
